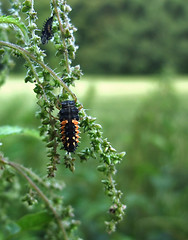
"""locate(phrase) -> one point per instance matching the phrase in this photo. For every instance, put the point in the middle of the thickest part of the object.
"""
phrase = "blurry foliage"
(52, 215)
(156, 171)
(127, 36)
(154, 130)
(152, 34)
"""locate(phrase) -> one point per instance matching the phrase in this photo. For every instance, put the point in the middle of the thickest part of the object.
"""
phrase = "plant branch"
(43, 65)
(11, 20)
(19, 169)
(35, 74)
(62, 33)
(34, 176)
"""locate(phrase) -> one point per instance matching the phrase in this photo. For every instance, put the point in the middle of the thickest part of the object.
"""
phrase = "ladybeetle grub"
(47, 33)
(69, 118)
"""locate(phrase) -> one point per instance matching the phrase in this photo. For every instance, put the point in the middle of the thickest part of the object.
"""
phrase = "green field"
(146, 118)
(111, 86)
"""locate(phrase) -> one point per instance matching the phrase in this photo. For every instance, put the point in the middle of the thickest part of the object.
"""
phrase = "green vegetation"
(127, 36)
(52, 90)
(147, 117)
(152, 128)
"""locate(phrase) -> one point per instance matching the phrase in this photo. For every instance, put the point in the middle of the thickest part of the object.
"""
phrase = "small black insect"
(47, 32)
(69, 118)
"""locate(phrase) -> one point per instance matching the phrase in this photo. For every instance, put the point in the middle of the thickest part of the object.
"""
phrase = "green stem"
(34, 176)
(14, 21)
(43, 65)
(31, 21)
(62, 32)
(18, 168)
(35, 74)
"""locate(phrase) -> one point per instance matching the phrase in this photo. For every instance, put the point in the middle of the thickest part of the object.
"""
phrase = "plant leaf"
(12, 228)
(11, 130)
(15, 21)
(34, 221)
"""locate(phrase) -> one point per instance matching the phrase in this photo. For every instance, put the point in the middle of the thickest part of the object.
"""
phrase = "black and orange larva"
(68, 116)
(47, 33)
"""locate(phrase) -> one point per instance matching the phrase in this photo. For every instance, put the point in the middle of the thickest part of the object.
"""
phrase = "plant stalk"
(18, 168)
(43, 65)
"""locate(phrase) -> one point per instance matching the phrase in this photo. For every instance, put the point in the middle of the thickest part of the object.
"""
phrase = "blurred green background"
(126, 36)
(134, 54)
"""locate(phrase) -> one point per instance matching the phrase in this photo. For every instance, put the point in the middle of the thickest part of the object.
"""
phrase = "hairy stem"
(62, 32)
(35, 74)
(16, 22)
(19, 169)
(43, 65)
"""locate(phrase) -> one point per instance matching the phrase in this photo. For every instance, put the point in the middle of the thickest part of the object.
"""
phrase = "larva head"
(69, 111)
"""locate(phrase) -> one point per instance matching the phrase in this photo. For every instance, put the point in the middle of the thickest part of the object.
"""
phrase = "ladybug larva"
(68, 116)
(47, 32)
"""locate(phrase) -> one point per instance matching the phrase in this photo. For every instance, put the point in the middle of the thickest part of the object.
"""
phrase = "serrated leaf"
(11, 130)
(34, 221)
